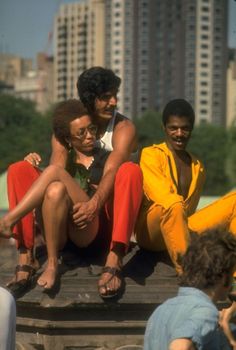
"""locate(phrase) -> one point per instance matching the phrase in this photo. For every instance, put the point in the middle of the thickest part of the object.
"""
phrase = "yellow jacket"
(160, 178)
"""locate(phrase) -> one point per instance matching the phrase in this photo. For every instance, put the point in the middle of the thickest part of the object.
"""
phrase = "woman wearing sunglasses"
(58, 189)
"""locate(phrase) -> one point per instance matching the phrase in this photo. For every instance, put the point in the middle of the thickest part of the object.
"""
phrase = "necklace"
(90, 163)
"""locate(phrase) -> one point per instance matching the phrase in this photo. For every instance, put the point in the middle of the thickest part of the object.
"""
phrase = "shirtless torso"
(184, 171)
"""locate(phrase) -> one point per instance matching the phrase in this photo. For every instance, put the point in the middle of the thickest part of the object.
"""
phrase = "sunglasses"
(82, 133)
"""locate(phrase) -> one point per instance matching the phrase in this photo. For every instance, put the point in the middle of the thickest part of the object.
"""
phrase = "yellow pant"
(160, 229)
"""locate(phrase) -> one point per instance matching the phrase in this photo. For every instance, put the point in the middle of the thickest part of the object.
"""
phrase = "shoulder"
(123, 122)
(124, 134)
(155, 150)
(100, 154)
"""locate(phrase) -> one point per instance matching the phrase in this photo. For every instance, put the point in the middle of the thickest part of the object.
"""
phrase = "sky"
(25, 25)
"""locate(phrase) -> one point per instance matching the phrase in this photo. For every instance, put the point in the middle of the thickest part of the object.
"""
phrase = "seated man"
(189, 321)
(119, 191)
(173, 181)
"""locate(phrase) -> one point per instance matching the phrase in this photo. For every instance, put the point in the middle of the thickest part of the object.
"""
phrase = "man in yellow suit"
(173, 181)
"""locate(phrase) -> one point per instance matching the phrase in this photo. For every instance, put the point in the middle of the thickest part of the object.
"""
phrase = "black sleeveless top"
(87, 176)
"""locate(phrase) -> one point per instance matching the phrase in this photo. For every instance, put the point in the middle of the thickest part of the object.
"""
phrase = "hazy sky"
(26, 24)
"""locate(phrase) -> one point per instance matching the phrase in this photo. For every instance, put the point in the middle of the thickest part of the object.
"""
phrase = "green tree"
(231, 158)
(209, 143)
(22, 130)
(149, 128)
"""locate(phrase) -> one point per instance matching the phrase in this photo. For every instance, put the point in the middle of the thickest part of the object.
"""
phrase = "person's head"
(97, 89)
(209, 262)
(178, 120)
(72, 126)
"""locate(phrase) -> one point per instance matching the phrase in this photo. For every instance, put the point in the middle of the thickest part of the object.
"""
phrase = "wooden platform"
(73, 316)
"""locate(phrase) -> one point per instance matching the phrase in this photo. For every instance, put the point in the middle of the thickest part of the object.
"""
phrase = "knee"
(56, 191)
(176, 209)
(130, 171)
(16, 168)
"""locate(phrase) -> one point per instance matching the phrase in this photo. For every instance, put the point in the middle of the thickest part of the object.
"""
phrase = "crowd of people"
(96, 190)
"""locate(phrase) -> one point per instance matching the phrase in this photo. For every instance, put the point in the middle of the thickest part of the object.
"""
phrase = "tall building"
(161, 49)
(45, 71)
(165, 49)
(18, 78)
(79, 30)
(13, 67)
(231, 90)
(211, 60)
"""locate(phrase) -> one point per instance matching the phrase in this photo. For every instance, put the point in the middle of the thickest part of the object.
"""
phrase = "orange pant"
(122, 209)
(160, 229)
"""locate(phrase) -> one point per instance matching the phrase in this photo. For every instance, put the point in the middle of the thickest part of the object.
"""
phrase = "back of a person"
(181, 317)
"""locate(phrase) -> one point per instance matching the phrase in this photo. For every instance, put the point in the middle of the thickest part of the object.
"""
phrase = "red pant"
(128, 192)
(123, 209)
(20, 177)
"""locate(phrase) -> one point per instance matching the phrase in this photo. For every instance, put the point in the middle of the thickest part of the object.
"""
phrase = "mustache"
(180, 139)
(110, 109)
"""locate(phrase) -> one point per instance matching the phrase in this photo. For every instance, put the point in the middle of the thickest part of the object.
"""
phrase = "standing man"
(120, 189)
(173, 181)
(190, 321)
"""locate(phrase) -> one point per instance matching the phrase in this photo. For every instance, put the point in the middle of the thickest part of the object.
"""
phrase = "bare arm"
(59, 153)
(124, 141)
(182, 344)
(225, 317)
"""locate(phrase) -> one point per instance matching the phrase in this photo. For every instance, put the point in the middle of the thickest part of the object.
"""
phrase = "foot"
(111, 281)
(5, 229)
(48, 278)
(25, 258)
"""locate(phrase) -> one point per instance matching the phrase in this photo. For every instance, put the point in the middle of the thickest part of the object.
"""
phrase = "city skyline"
(32, 25)
(159, 51)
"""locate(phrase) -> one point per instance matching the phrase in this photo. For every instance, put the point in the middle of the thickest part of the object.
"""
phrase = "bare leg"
(34, 197)
(55, 210)
(106, 284)
(25, 258)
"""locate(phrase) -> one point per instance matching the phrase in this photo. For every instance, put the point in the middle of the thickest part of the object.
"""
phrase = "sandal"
(111, 293)
(17, 288)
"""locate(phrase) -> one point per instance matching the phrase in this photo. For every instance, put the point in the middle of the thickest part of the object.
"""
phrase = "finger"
(37, 158)
(82, 226)
(29, 159)
(76, 207)
(80, 220)
(77, 215)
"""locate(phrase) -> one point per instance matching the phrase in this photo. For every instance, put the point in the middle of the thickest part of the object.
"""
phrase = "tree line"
(23, 129)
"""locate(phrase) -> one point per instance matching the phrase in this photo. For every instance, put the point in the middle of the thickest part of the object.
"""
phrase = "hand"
(84, 213)
(33, 158)
(224, 321)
